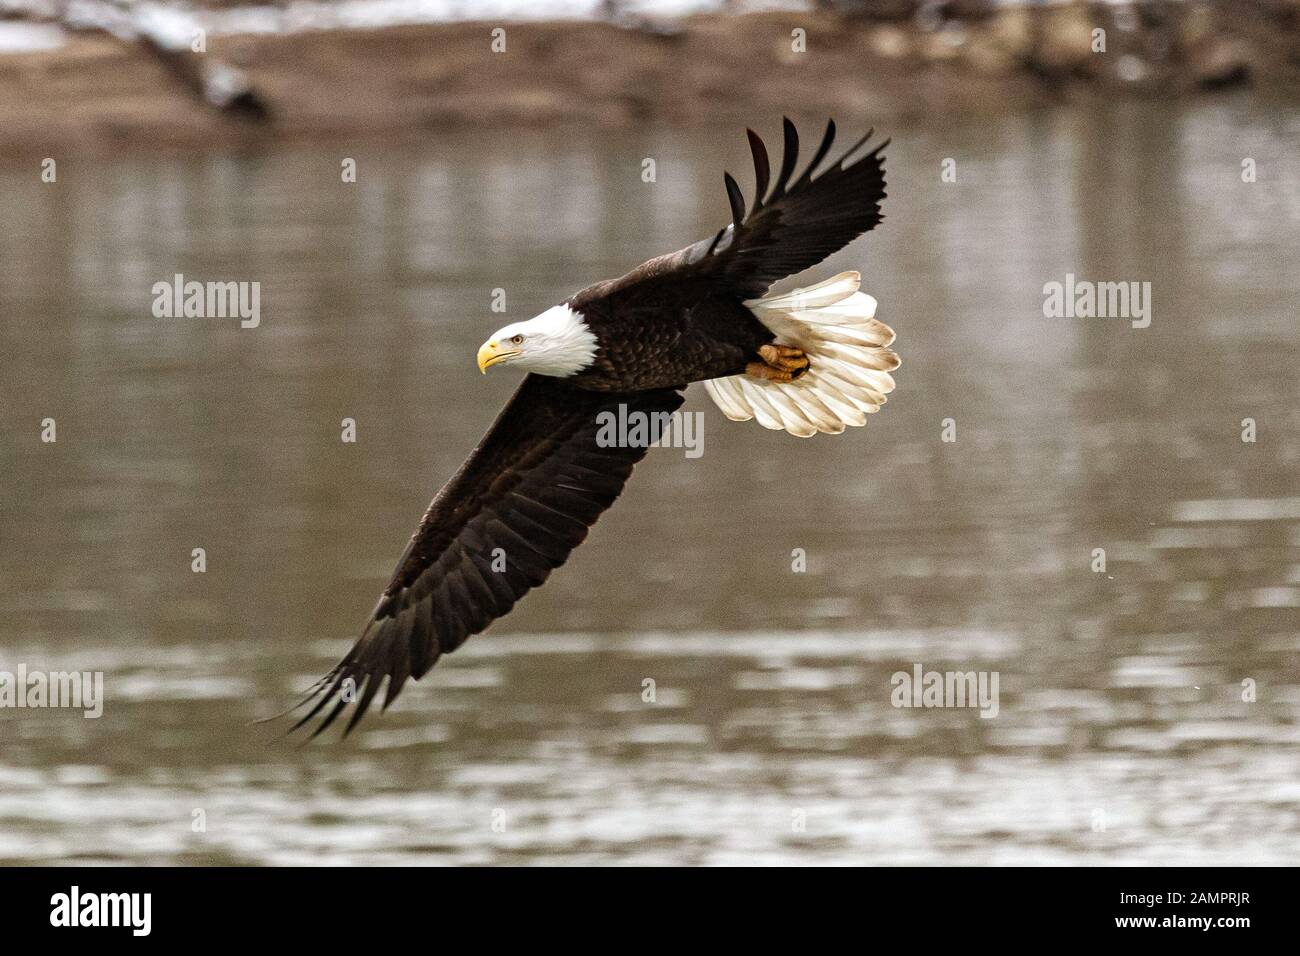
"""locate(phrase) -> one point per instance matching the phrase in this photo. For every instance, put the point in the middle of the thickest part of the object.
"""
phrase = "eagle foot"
(780, 363)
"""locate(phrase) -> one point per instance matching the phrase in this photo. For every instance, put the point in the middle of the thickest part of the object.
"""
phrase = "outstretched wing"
(532, 488)
(800, 222)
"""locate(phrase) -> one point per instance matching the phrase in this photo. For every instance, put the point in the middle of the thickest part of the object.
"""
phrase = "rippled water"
(1121, 735)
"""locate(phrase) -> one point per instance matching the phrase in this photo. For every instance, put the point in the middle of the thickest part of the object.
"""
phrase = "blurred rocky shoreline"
(1154, 47)
(864, 61)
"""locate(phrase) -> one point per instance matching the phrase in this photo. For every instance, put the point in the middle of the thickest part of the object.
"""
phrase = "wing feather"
(762, 169)
(802, 221)
(532, 489)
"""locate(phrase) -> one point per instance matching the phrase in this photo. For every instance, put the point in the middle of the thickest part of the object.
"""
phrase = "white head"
(557, 342)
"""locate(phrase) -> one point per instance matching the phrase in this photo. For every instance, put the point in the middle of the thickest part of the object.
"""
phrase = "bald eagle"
(813, 360)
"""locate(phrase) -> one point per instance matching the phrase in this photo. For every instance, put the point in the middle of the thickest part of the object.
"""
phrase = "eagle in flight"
(813, 360)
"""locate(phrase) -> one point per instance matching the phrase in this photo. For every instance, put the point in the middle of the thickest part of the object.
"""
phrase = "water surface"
(1122, 735)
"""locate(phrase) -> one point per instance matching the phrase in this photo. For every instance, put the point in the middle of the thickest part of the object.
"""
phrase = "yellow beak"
(490, 353)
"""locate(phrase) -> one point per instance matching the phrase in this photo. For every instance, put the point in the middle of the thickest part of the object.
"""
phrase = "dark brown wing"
(523, 500)
(797, 225)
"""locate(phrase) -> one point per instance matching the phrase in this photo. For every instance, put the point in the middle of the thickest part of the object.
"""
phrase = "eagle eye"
(517, 339)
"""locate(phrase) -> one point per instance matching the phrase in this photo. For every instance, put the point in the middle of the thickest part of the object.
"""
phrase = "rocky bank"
(97, 90)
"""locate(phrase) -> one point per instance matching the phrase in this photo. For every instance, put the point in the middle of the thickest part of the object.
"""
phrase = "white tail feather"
(848, 354)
